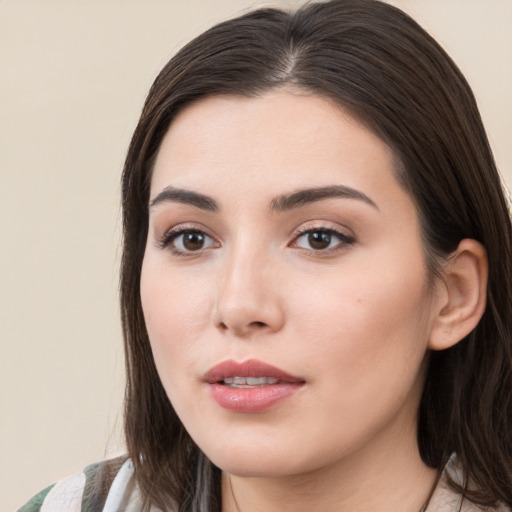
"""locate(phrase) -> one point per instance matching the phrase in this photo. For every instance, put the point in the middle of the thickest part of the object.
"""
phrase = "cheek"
(364, 345)
(176, 312)
(372, 319)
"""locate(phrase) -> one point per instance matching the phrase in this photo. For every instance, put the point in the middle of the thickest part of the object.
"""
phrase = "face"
(284, 285)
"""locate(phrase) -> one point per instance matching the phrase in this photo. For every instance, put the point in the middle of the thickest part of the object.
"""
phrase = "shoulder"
(102, 486)
(445, 499)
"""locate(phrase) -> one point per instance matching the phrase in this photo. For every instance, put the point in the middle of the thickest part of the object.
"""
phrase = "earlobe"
(461, 298)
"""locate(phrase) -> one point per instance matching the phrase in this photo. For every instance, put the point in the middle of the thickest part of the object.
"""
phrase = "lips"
(250, 386)
(247, 369)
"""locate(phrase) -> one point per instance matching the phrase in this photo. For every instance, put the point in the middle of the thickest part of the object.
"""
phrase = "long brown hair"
(377, 63)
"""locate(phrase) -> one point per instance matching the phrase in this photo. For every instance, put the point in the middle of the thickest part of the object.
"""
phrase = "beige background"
(73, 76)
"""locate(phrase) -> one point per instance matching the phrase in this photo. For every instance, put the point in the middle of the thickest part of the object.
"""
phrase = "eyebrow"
(281, 203)
(179, 195)
(310, 195)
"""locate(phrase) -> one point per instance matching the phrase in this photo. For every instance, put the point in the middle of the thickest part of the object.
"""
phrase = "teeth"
(249, 382)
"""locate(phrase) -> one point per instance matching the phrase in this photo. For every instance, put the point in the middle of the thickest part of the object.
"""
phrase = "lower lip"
(252, 400)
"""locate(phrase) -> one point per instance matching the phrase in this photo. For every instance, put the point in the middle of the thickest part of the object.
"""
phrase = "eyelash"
(166, 242)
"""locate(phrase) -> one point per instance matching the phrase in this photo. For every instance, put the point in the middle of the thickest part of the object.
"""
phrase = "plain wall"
(73, 76)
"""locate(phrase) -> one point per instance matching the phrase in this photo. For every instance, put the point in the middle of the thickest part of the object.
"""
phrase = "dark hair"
(377, 63)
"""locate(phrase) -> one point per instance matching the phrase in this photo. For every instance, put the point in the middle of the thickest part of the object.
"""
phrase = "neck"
(371, 482)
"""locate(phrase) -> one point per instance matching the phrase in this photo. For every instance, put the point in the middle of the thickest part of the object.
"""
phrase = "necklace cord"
(233, 494)
(422, 509)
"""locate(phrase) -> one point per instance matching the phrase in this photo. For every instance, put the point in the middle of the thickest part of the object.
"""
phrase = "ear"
(461, 295)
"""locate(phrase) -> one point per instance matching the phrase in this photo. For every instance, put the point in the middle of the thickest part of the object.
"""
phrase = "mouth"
(250, 373)
(248, 382)
(250, 386)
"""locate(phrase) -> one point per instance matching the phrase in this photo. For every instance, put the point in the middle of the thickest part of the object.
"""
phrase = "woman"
(315, 278)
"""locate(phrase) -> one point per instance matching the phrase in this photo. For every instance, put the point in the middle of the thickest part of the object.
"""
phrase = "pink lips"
(272, 385)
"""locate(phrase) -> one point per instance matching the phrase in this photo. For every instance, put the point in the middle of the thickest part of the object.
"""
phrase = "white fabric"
(66, 495)
(124, 494)
(445, 499)
(121, 484)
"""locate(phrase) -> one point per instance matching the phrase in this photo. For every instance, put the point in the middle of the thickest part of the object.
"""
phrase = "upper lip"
(249, 368)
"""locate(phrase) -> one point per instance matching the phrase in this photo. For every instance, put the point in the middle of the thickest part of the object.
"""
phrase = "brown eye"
(193, 241)
(319, 240)
(322, 240)
(188, 241)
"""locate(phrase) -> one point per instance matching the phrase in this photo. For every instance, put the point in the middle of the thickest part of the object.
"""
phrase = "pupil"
(319, 240)
(193, 241)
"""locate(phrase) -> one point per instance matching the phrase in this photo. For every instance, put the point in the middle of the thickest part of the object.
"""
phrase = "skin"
(354, 321)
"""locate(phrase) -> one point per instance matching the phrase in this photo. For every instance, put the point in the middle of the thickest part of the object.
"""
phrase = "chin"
(260, 460)
(254, 468)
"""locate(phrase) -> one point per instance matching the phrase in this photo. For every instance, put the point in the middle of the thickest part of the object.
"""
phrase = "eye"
(322, 239)
(187, 241)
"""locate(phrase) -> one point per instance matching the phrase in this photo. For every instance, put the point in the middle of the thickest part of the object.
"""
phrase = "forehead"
(280, 140)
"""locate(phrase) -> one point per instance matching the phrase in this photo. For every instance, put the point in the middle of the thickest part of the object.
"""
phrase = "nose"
(248, 301)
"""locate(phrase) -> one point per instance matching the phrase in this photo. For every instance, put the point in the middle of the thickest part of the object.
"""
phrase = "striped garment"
(80, 493)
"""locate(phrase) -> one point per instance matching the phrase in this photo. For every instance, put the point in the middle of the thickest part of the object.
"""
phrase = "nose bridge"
(247, 297)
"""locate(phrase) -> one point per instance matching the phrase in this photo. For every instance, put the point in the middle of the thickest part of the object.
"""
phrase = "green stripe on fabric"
(93, 499)
(35, 503)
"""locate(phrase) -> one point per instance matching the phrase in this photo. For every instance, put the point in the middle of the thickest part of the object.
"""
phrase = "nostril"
(258, 324)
